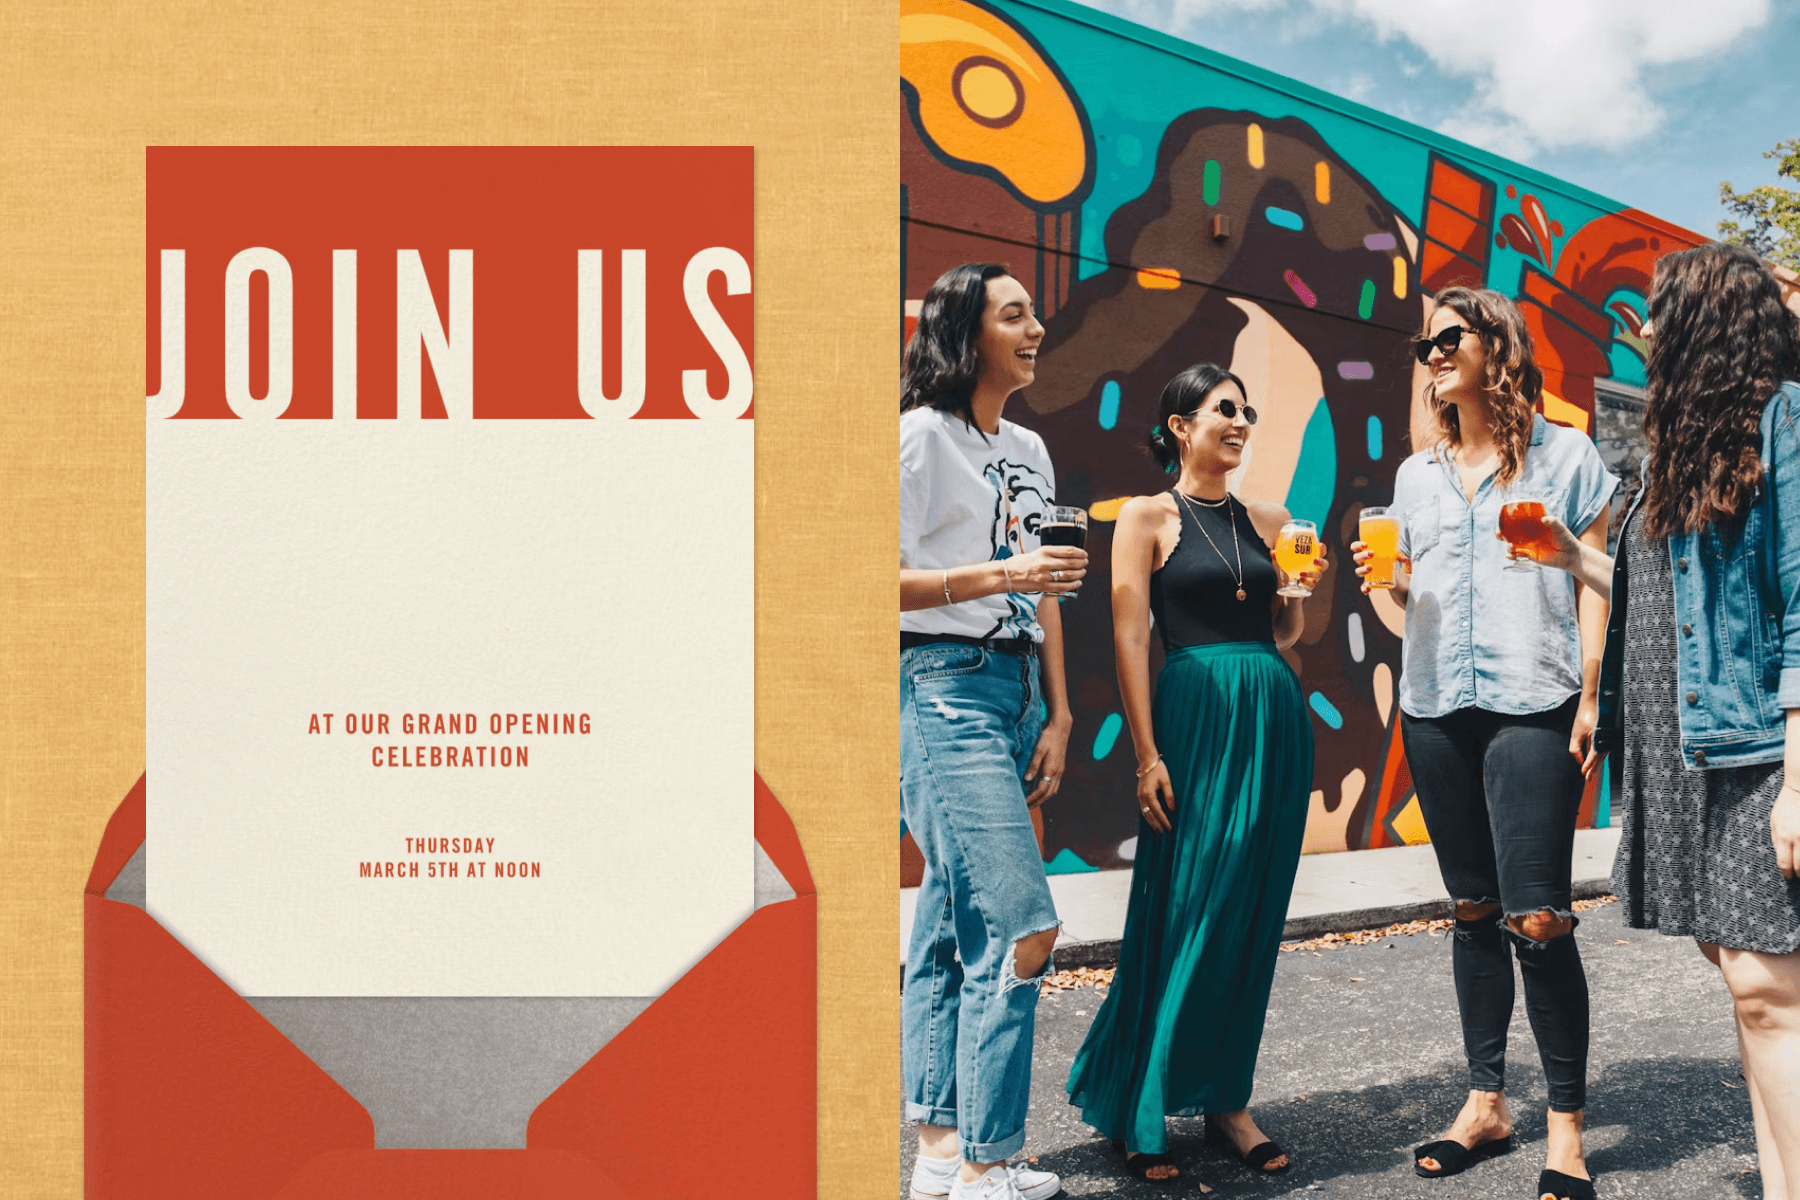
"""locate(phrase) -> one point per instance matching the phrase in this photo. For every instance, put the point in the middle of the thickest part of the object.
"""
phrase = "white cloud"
(1546, 74)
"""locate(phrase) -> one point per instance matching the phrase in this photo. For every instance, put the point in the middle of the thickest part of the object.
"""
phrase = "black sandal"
(1257, 1158)
(1139, 1164)
(1563, 1187)
(1453, 1158)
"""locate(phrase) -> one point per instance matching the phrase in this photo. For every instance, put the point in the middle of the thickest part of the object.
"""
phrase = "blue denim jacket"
(1478, 635)
(1737, 602)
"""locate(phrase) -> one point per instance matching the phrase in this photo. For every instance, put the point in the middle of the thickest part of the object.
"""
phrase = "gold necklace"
(1236, 549)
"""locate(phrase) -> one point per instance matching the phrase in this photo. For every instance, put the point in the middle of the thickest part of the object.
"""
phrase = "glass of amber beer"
(1295, 550)
(1522, 528)
(1379, 529)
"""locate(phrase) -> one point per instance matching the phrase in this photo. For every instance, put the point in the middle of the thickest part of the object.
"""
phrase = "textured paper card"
(449, 539)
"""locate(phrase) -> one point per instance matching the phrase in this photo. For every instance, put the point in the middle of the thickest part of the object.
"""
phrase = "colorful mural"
(1167, 205)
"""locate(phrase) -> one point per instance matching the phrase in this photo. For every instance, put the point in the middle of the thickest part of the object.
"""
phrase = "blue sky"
(1649, 102)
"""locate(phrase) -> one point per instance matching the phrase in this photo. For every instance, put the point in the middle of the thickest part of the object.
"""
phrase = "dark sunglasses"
(1229, 410)
(1447, 340)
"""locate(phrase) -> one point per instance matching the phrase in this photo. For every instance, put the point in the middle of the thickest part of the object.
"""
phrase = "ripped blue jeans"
(969, 720)
(1499, 794)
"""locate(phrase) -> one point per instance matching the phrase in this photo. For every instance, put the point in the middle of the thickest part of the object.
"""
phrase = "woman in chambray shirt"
(1497, 700)
(1700, 683)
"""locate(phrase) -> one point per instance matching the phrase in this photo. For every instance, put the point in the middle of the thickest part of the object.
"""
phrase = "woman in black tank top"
(1224, 770)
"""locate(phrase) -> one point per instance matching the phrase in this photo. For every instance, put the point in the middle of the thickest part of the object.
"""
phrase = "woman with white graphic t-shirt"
(979, 650)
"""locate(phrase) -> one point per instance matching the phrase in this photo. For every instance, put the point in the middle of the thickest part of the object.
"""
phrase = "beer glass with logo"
(1295, 550)
(1522, 528)
(1063, 526)
(1379, 529)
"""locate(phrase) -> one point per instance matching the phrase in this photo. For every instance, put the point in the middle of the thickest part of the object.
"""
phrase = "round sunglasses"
(1229, 410)
(1446, 340)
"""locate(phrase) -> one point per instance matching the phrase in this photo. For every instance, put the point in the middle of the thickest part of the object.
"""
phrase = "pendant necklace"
(1236, 549)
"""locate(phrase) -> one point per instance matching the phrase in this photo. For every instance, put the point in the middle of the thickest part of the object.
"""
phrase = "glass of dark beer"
(1064, 526)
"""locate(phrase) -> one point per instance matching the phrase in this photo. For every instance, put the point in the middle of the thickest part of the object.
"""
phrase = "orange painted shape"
(1159, 278)
(1451, 186)
(986, 96)
(1563, 413)
(1439, 268)
(1322, 182)
(1460, 233)
(1396, 783)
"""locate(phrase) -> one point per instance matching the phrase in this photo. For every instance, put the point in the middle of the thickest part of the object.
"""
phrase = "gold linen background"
(86, 87)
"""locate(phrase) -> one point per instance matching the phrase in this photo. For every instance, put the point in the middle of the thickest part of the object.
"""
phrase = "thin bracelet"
(1146, 768)
(947, 599)
(1008, 573)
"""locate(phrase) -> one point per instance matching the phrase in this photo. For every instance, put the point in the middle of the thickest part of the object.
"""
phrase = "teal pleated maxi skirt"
(1180, 1027)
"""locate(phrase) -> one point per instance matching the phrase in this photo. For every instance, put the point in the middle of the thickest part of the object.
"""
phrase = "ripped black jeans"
(1499, 794)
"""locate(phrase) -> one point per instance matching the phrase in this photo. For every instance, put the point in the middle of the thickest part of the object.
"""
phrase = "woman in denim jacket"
(1497, 689)
(984, 717)
(1700, 682)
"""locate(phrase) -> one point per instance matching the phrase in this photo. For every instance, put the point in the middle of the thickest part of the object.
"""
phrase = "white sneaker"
(997, 1184)
(934, 1177)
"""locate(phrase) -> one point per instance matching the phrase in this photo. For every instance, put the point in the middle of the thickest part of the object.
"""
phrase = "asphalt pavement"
(1362, 1060)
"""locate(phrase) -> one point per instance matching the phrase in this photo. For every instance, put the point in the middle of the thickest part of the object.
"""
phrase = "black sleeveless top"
(1193, 596)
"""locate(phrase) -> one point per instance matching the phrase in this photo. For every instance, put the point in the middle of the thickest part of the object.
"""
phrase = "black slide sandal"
(1563, 1187)
(1257, 1158)
(1454, 1158)
(1139, 1164)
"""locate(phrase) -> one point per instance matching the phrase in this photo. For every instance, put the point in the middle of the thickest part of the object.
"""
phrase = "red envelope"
(192, 1094)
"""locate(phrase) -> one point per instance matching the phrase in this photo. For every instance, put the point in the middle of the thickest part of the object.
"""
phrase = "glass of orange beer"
(1295, 550)
(1379, 529)
(1522, 528)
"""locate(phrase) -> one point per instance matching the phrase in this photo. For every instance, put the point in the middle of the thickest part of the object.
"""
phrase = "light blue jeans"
(969, 720)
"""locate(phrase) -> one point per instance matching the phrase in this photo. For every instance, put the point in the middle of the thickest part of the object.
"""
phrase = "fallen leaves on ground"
(1432, 928)
(1080, 977)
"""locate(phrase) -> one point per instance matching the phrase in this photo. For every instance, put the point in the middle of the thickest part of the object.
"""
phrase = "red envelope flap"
(450, 1175)
(124, 834)
(719, 1077)
(775, 834)
(190, 1093)
(716, 1080)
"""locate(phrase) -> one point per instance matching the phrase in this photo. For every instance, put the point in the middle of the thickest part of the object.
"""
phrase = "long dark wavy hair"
(1720, 344)
(942, 367)
(1181, 396)
(1513, 381)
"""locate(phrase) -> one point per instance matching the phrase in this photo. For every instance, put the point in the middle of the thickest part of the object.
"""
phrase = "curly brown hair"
(1720, 344)
(1512, 380)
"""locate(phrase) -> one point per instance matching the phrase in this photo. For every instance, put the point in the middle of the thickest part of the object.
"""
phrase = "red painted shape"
(439, 1174)
(1451, 185)
(1439, 268)
(1456, 231)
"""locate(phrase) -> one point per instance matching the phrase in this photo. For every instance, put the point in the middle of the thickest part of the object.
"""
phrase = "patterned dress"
(1695, 858)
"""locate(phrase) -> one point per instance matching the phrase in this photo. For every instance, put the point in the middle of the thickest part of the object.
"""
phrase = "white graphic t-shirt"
(968, 497)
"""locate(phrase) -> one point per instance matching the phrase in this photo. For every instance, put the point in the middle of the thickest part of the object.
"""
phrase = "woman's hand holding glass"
(1363, 555)
(1299, 558)
(1055, 570)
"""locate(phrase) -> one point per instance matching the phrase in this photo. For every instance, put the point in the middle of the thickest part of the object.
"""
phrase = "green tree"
(1771, 214)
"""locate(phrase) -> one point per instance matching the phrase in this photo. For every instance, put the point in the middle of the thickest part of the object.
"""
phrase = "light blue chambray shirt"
(1477, 635)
